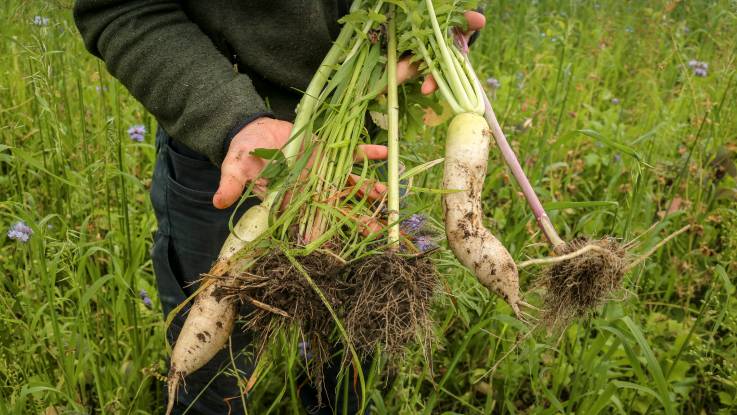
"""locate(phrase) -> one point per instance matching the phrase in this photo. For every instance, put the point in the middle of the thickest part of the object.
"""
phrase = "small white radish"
(211, 317)
(466, 157)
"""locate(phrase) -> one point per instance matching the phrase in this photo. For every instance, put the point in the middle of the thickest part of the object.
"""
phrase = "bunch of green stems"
(331, 123)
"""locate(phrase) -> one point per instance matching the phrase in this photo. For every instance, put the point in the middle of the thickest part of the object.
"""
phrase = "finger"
(428, 85)
(230, 189)
(259, 190)
(370, 152)
(371, 190)
(406, 70)
(369, 225)
(476, 21)
(286, 199)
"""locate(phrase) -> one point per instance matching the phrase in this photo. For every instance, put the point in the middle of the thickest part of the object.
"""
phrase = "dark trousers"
(190, 233)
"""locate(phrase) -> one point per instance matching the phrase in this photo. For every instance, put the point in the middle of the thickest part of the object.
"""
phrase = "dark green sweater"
(204, 69)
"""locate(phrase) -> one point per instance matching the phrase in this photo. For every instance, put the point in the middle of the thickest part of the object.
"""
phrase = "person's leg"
(191, 232)
(332, 404)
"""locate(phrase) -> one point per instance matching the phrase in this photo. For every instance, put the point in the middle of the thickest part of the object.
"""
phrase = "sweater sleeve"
(172, 68)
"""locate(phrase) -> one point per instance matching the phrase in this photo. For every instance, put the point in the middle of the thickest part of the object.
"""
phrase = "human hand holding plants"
(241, 167)
(407, 70)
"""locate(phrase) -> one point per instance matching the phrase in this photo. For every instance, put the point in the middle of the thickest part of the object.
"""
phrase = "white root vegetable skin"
(466, 157)
(211, 317)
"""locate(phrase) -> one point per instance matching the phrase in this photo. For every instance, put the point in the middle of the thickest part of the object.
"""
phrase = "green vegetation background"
(602, 106)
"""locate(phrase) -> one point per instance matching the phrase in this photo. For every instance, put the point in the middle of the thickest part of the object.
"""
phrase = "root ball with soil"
(390, 302)
(587, 275)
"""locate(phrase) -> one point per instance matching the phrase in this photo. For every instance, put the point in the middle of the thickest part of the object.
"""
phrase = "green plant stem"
(310, 99)
(393, 133)
(447, 59)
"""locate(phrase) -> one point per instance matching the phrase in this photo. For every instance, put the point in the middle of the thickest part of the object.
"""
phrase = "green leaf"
(722, 273)
(268, 153)
(552, 206)
(419, 169)
(652, 365)
(613, 144)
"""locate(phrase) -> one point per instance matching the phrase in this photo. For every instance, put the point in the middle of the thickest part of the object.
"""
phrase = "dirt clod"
(390, 303)
(576, 287)
(381, 299)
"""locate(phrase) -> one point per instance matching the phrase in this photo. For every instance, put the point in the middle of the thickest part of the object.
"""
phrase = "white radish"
(211, 317)
(466, 157)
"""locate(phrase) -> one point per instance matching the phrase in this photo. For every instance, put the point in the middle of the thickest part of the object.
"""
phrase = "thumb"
(232, 183)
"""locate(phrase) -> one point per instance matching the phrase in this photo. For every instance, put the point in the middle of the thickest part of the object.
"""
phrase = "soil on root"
(281, 296)
(381, 299)
(577, 286)
(390, 302)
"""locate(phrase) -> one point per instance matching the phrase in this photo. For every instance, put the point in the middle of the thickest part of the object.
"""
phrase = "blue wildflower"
(304, 350)
(146, 299)
(40, 21)
(413, 224)
(617, 157)
(493, 83)
(700, 72)
(425, 243)
(20, 232)
(629, 29)
(700, 69)
(615, 101)
(137, 133)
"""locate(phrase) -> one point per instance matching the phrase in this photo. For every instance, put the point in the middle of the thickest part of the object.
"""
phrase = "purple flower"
(425, 243)
(413, 224)
(146, 299)
(617, 157)
(700, 69)
(40, 21)
(615, 101)
(493, 83)
(20, 232)
(304, 350)
(137, 132)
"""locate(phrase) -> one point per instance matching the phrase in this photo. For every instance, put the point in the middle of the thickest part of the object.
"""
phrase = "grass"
(614, 128)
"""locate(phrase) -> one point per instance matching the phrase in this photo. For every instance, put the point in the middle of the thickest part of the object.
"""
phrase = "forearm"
(172, 68)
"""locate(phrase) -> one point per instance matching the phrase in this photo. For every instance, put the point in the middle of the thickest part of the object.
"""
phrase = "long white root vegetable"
(466, 157)
(211, 317)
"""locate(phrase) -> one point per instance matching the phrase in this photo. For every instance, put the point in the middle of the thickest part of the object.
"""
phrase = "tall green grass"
(612, 125)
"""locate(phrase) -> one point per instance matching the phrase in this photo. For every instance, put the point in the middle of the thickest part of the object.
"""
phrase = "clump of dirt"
(380, 299)
(390, 301)
(280, 296)
(575, 287)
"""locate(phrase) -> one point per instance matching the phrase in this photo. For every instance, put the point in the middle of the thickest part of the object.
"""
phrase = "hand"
(406, 70)
(240, 167)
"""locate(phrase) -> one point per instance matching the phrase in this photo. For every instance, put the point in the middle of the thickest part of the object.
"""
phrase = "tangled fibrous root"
(281, 296)
(381, 299)
(577, 285)
(390, 303)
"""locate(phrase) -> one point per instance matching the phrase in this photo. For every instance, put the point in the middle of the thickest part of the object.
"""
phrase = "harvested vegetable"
(212, 315)
(466, 156)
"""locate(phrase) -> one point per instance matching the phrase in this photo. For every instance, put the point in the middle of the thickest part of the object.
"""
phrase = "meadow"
(624, 114)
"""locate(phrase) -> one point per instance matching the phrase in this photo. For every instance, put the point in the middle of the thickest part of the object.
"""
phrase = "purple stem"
(543, 220)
